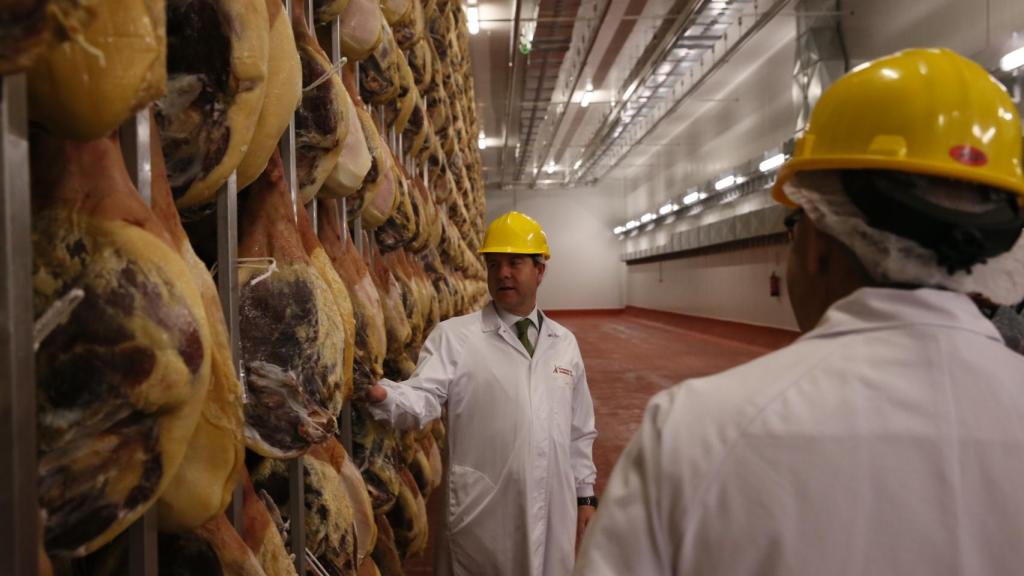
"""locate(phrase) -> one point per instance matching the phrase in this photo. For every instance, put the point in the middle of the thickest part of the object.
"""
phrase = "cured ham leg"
(122, 382)
(292, 333)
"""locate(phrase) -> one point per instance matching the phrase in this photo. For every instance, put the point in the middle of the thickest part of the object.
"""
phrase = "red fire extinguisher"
(775, 285)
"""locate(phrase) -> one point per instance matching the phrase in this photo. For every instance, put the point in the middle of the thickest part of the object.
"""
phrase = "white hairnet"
(889, 258)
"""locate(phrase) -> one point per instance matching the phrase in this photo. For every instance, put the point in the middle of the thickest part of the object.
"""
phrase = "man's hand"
(377, 394)
(583, 516)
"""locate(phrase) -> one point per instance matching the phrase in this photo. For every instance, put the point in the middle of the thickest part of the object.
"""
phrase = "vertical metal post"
(287, 147)
(346, 410)
(227, 287)
(296, 499)
(345, 419)
(297, 513)
(19, 509)
(134, 138)
(311, 210)
(142, 545)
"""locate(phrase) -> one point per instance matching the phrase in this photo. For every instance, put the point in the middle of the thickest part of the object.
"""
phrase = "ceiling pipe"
(575, 86)
(766, 17)
(512, 61)
(653, 55)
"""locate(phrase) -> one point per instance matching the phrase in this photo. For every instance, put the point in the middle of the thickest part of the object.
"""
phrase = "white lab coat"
(520, 435)
(888, 440)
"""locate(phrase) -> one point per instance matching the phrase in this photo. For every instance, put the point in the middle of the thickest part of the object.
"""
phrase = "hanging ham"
(322, 120)
(121, 383)
(215, 88)
(262, 530)
(361, 29)
(283, 94)
(371, 339)
(214, 548)
(291, 331)
(355, 161)
(329, 518)
(29, 28)
(342, 301)
(204, 483)
(84, 88)
(379, 73)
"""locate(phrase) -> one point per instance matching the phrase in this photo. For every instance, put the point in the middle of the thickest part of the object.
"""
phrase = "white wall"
(584, 271)
(727, 285)
(754, 111)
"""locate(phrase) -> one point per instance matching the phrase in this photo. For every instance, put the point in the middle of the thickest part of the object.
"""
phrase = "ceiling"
(535, 128)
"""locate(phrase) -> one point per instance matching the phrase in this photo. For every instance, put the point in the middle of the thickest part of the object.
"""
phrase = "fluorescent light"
(550, 168)
(725, 183)
(482, 141)
(588, 95)
(772, 163)
(473, 19)
(647, 217)
(619, 229)
(667, 208)
(577, 165)
(1013, 60)
(691, 197)
(632, 224)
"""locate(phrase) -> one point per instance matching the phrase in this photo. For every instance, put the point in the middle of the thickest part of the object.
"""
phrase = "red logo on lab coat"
(560, 370)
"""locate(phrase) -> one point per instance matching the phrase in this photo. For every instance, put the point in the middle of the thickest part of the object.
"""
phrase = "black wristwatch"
(587, 501)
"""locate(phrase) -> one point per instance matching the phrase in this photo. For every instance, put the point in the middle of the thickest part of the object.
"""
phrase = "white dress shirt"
(510, 319)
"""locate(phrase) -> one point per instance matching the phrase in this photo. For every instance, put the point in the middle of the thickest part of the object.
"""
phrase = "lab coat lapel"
(491, 322)
(547, 336)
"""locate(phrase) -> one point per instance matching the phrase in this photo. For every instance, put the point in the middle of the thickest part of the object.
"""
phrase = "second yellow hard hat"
(926, 111)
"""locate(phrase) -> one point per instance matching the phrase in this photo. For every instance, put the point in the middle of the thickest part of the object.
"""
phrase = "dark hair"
(962, 223)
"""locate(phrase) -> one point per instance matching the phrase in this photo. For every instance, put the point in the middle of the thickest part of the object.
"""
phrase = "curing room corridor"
(631, 355)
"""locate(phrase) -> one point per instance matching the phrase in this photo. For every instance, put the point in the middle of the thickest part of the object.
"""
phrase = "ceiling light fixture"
(588, 95)
(577, 165)
(1012, 60)
(772, 163)
(619, 229)
(726, 182)
(550, 168)
(482, 141)
(691, 197)
(473, 19)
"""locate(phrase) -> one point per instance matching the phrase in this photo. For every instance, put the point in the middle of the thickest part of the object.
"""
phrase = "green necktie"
(523, 331)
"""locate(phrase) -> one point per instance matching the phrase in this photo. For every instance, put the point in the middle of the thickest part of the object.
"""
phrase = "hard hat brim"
(511, 250)
(964, 174)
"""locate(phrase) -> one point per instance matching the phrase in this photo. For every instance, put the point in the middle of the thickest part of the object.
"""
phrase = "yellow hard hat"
(927, 111)
(515, 233)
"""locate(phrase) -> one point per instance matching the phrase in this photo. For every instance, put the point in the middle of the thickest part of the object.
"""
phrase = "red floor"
(632, 355)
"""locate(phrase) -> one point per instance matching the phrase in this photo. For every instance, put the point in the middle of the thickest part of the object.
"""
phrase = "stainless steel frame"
(19, 511)
(134, 138)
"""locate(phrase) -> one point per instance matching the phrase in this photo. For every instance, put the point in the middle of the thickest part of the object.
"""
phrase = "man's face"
(512, 280)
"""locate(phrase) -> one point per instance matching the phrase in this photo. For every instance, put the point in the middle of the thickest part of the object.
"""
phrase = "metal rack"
(134, 138)
(19, 513)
